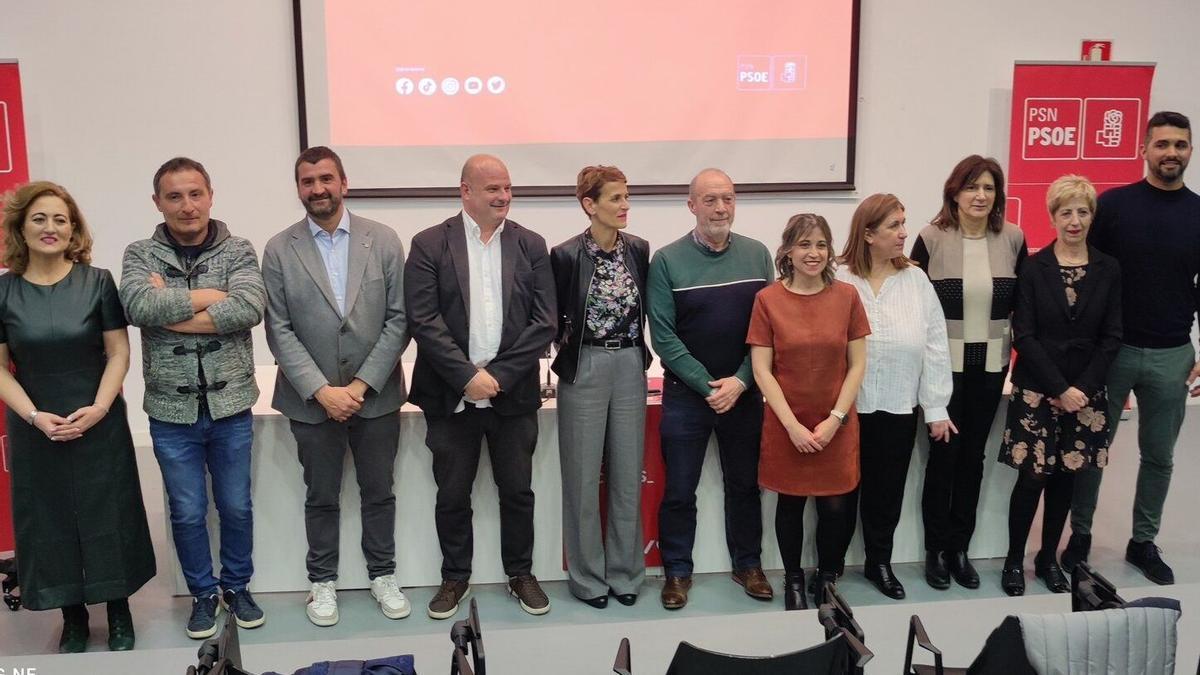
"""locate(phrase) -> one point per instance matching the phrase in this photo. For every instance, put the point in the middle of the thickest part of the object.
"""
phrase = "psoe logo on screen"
(1051, 128)
(754, 73)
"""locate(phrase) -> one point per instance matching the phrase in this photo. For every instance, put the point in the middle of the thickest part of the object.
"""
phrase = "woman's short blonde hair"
(16, 208)
(1068, 188)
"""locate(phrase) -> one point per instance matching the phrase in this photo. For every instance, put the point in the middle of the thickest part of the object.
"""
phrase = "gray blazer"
(313, 343)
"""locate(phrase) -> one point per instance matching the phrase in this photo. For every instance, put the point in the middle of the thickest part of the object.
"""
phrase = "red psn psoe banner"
(14, 170)
(1081, 118)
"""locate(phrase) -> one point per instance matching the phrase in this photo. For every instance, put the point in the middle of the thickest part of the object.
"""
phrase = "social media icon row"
(450, 86)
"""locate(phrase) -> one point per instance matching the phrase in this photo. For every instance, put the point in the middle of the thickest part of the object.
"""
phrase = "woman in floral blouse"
(1066, 330)
(600, 283)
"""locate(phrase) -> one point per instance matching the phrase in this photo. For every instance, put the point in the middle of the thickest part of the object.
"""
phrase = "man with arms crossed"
(701, 291)
(480, 301)
(195, 291)
(1152, 227)
(335, 323)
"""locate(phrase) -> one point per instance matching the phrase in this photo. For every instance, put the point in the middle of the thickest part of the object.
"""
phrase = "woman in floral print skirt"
(1066, 330)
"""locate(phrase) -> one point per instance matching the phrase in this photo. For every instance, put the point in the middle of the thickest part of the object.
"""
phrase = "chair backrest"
(831, 656)
(835, 613)
(1134, 641)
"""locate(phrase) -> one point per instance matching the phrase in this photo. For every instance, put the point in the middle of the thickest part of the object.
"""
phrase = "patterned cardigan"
(170, 360)
(940, 253)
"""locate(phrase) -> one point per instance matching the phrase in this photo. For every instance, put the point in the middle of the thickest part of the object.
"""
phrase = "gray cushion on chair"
(1134, 640)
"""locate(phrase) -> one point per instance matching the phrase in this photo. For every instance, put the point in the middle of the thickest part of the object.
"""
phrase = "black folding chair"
(467, 637)
(622, 665)
(221, 655)
(1091, 592)
(836, 616)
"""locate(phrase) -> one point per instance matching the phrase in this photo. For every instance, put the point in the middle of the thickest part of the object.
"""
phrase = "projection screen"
(406, 90)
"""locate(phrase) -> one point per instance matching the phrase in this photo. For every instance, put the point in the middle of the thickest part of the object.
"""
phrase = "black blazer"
(437, 287)
(1054, 351)
(573, 269)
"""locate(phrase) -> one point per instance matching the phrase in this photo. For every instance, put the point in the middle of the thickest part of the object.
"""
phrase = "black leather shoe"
(887, 583)
(626, 599)
(1012, 579)
(1078, 547)
(599, 602)
(962, 570)
(936, 573)
(793, 591)
(1051, 575)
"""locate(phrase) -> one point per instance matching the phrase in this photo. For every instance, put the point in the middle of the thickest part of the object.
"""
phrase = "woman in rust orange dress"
(808, 348)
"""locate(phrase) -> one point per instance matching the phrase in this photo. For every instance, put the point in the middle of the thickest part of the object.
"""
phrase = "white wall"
(114, 88)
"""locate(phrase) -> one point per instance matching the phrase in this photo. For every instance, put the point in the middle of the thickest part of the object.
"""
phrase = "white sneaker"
(391, 599)
(321, 605)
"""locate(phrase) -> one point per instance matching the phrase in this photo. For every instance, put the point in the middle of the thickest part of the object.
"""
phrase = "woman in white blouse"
(908, 364)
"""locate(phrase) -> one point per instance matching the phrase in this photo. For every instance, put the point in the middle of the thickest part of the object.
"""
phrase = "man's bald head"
(705, 176)
(486, 190)
(712, 200)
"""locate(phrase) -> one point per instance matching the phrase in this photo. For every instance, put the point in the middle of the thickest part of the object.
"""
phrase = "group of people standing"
(808, 367)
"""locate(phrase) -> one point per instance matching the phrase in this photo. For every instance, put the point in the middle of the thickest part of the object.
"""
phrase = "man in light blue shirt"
(336, 325)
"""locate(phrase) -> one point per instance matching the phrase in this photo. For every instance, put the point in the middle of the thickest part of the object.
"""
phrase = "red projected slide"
(523, 72)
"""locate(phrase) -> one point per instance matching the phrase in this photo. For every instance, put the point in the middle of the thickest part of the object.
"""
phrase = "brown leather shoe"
(755, 582)
(675, 592)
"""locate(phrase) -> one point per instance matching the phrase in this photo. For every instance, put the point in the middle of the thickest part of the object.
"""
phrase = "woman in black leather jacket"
(600, 280)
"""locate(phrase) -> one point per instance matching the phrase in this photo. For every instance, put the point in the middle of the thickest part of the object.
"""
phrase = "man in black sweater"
(1153, 228)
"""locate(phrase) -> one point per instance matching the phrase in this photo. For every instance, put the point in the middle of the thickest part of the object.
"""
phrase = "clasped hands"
(341, 403)
(816, 440)
(1072, 400)
(482, 386)
(70, 427)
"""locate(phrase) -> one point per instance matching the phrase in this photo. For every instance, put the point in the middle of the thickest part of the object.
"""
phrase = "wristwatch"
(841, 416)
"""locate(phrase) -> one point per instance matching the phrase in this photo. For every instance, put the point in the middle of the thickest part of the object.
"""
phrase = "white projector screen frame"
(548, 169)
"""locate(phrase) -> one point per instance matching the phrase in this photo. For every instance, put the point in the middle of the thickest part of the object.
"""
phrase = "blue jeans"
(687, 424)
(183, 451)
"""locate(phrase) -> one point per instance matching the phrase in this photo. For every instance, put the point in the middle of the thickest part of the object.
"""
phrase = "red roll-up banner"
(1084, 118)
(14, 170)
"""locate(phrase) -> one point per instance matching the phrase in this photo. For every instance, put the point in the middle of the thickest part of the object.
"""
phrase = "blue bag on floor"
(391, 665)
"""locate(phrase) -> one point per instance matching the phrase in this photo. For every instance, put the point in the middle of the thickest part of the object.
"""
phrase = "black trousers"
(886, 443)
(322, 447)
(455, 443)
(955, 468)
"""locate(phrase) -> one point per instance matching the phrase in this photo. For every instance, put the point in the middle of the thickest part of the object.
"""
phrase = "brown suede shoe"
(675, 592)
(755, 582)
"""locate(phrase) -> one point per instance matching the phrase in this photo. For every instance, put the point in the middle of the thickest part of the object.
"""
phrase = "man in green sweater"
(701, 291)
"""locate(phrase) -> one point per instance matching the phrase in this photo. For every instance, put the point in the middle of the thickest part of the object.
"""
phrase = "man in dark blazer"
(480, 299)
(335, 323)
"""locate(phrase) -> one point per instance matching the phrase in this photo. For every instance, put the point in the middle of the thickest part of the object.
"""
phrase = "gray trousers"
(322, 448)
(1158, 378)
(602, 418)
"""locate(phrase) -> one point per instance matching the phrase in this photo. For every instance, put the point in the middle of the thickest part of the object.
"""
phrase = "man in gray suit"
(336, 325)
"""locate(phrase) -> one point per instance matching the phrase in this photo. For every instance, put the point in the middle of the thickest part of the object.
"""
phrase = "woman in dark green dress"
(81, 529)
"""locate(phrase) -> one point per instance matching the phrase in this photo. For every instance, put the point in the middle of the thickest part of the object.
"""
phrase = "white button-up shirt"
(335, 253)
(908, 354)
(486, 303)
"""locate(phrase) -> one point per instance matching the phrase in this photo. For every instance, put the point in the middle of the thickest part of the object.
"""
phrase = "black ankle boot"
(1078, 547)
(816, 585)
(793, 591)
(75, 634)
(120, 626)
